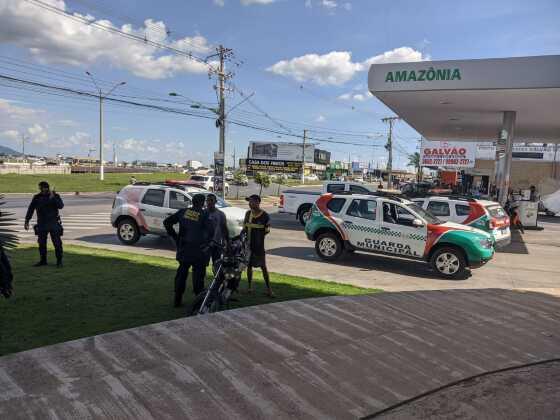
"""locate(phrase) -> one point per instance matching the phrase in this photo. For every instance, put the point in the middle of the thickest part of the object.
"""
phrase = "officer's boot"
(178, 301)
(40, 263)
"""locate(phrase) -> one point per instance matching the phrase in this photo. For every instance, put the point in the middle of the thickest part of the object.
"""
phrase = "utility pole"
(102, 96)
(389, 147)
(233, 156)
(23, 138)
(115, 163)
(303, 157)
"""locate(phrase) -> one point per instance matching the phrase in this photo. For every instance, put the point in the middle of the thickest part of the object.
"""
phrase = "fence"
(27, 169)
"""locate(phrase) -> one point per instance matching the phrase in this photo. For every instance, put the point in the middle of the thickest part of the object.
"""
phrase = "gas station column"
(503, 159)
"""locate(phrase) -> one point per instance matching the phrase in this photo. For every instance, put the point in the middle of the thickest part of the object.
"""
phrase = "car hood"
(234, 213)
(457, 226)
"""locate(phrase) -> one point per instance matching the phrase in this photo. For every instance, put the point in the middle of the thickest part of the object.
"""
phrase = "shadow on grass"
(99, 291)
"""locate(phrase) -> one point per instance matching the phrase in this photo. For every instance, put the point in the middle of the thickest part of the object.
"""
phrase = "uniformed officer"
(195, 232)
(47, 204)
(257, 226)
(219, 225)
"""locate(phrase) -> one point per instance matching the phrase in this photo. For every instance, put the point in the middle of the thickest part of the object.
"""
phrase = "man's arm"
(57, 200)
(225, 230)
(170, 221)
(266, 224)
(30, 211)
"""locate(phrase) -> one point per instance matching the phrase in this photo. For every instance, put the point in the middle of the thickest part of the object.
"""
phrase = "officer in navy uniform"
(193, 240)
(47, 204)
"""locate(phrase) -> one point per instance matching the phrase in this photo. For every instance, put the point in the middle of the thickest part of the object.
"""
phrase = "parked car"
(394, 226)
(299, 202)
(141, 209)
(481, 214)
(311, 177)
(228, 176)
(241, 179)
(550, 203)
(207, 182)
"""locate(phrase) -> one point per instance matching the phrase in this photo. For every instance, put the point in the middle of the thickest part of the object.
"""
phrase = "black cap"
(255, 197)
(44, 184)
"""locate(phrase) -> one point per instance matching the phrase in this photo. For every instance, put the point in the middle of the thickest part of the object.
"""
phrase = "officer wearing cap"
(47, 204)
(195, 232)
(257, 225)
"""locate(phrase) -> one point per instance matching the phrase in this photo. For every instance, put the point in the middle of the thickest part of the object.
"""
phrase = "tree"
(414, 160)
(262, 179)
(280, 179)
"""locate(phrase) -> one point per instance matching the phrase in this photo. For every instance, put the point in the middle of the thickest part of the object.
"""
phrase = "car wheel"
(449, 262)
(128, 232)
(304, 215)
(328, 246)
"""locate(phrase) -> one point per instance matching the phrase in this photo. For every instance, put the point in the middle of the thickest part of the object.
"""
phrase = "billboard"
(322, 157)
(268, 165)
(281, 151)
(535, 153)
(448, 154)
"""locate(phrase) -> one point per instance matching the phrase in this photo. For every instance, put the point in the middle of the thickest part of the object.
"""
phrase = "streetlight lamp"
(101, 97)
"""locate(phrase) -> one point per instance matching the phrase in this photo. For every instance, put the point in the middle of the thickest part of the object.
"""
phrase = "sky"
(304, 62)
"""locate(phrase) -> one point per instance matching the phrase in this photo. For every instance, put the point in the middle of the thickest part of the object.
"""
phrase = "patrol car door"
(399, 236)
(152, 207)
(441, 209)
(361, 222)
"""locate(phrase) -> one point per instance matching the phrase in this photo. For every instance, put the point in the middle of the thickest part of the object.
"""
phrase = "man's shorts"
(257, 260)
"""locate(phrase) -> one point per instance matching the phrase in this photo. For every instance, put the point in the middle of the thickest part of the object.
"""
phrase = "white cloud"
(347, 6)
(138, 145)
(353, 96)
(15, 112)
(329, 4)
(37, 133)
(12, 135)
(53, 38)
(320, 119)
(66, 123)
(308, 4)
(220, 3)
(337, 67)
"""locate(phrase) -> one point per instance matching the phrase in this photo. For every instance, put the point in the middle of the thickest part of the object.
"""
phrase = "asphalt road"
(531, 262)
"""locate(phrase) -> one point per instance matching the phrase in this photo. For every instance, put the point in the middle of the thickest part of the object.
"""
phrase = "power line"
(116, 31)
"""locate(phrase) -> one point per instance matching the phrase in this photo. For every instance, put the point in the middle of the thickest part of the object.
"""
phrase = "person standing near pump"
(195, 232)
(47, 204)
(257, 226)
(219, 225)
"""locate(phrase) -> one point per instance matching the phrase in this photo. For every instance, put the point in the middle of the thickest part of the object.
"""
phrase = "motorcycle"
(227, 276)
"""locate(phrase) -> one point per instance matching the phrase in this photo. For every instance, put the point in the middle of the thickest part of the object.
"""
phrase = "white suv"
(207, 182)
(141, 209)
(481, 214)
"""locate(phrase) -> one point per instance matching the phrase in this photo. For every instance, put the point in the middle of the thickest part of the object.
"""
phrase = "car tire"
(128, 231)
(449, 262)
(304, 214)
(328, 246)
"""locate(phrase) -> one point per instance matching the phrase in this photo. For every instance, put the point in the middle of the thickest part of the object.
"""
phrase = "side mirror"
(417, 223)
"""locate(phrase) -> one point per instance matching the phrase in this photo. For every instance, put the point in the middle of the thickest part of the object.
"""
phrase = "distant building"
(194, 164)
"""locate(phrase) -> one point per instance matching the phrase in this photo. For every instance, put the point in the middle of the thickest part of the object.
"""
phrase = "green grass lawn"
(99, 291)
(13, 183)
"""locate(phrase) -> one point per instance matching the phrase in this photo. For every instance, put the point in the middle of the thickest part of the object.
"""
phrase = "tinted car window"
(439, 208)
(462, 210)
(336, 204)
(356, 189)
(335, 188)
(178, 201)
(154, 197)
(199, 178)
(366, 209)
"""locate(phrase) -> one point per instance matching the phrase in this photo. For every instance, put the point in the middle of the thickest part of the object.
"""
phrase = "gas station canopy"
(466, 99)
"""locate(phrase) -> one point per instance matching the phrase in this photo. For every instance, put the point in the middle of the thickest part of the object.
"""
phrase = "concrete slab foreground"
(338, 357)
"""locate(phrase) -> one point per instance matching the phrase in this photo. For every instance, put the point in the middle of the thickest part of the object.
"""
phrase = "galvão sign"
(423, 75)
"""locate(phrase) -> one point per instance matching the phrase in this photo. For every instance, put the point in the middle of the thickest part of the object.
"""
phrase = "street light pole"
(102, 96)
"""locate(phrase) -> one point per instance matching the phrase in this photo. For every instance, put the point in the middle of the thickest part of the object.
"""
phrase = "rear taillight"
(492, 223)
(281, 200)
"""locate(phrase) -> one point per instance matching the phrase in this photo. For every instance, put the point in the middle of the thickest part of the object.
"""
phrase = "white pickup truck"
(299, 202)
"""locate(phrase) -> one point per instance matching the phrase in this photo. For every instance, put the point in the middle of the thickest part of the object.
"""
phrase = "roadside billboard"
(534, 153)
(448, 154)
(281, 151)
(268, 165)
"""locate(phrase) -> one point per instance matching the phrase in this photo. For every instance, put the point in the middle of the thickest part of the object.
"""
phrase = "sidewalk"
(324, 358)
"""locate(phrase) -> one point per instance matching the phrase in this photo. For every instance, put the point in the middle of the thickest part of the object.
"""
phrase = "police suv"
(390, 225)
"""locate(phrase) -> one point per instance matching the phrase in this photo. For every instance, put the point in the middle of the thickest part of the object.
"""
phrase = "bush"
(263, 179)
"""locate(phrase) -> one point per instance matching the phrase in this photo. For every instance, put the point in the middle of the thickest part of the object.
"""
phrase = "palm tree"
(414, 160)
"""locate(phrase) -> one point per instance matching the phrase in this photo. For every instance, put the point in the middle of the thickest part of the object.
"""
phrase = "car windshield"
(426, 215)
(496, 211)
(220, 202)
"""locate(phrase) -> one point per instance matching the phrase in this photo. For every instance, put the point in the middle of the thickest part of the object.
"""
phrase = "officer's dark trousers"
(56, 240)
(198, 274)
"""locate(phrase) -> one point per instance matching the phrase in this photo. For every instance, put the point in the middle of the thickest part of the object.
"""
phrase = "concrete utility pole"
(102, 96)
(233, 156)
(115, 163)
(389, 147)
(23, 138)
(303, 157)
